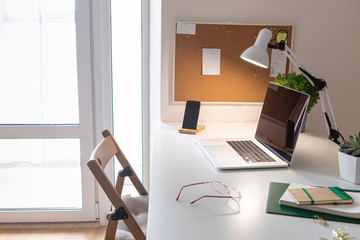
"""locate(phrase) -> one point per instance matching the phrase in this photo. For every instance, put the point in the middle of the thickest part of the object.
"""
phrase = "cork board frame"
(239, 81)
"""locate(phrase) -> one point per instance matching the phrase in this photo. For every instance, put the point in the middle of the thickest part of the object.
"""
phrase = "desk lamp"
(258, 55)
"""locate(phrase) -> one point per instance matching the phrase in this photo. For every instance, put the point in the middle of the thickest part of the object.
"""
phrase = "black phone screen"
(191, 115)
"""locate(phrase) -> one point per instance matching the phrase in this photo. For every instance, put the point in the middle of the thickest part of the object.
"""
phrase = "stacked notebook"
(318, 195)
(281, 202)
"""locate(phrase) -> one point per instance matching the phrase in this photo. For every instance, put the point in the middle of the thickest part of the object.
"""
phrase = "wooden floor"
(53, 234)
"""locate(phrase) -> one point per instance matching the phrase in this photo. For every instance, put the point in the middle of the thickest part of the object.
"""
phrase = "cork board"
(239, 81)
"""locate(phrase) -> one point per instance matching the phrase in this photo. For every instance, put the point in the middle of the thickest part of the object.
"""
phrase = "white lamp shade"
(257, 54)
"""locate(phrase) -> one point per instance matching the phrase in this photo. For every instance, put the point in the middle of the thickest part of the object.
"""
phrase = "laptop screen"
(281, 118)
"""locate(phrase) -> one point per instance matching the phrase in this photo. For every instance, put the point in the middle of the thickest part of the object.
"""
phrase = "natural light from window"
(39, 86)
(127, 82)
(38, 76)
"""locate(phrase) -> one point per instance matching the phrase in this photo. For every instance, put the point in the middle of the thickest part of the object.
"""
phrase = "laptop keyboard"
(250, 152)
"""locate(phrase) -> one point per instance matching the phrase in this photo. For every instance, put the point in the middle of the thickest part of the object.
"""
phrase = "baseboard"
(94, 224)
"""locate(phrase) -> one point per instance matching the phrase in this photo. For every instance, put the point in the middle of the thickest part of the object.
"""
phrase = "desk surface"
(177, 161)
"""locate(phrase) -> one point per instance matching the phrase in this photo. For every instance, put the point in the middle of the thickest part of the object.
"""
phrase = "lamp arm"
(319, 85)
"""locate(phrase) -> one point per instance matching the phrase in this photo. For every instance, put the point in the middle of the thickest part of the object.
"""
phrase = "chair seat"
(138, 206)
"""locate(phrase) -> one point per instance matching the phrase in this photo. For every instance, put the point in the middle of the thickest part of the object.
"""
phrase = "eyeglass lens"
(219, 187)
(223, 189)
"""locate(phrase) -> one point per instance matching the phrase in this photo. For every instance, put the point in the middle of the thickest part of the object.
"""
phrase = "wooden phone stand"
(198, 129)
(191, 116)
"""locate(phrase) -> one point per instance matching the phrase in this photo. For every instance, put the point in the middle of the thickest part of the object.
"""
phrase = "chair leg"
(111, 229)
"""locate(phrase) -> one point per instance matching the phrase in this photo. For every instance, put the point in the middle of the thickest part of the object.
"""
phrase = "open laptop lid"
(281, 118)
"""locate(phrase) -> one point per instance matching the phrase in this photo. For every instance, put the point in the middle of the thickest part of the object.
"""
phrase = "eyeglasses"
(226, 191)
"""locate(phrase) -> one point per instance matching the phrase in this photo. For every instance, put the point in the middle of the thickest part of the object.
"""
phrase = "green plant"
(351, 147)
(300, 83)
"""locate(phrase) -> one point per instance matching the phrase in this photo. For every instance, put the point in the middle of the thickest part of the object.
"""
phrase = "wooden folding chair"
(100, 157)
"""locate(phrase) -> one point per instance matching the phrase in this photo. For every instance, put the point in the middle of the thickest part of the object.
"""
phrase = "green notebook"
(276, 190)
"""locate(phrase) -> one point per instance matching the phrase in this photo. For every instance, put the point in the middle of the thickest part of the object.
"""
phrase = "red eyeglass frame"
(237, 199)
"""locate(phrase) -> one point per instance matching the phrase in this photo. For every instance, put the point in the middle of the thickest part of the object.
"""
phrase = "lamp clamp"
(280, 45)
(334, 136)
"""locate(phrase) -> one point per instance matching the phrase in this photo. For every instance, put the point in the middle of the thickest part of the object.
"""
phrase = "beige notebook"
(321, 195)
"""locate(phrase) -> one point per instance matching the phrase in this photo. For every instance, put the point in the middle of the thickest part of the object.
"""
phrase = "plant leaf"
(356, 153)
(349, 150)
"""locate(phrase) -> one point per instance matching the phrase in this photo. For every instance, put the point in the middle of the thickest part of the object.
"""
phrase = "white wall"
(326, 39)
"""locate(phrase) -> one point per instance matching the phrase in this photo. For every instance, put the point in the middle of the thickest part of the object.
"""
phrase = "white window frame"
(101, 55)
(84, 131)
(97, 70)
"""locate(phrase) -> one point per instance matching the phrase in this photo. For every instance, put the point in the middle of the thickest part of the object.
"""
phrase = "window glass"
(38, 76)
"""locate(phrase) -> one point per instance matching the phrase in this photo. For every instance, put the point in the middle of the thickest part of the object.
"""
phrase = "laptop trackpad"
(221, 151)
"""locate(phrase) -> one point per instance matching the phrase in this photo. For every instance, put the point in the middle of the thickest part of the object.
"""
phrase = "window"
(127, 80)
(38, 82)
(46, 105)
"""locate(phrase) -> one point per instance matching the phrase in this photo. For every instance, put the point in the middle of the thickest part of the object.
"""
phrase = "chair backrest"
(100, 157)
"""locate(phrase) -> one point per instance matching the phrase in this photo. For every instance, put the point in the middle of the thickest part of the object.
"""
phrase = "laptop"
(275, 139)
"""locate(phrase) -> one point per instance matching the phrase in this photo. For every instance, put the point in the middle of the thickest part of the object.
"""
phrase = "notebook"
(344, 210)
(319, 195)
(277, 194)
(275, 139)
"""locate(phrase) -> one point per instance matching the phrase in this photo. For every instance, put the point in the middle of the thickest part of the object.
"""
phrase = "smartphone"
(191, 115)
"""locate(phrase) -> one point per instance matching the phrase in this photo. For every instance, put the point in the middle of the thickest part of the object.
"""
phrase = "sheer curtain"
(39, 103)
(38, 78)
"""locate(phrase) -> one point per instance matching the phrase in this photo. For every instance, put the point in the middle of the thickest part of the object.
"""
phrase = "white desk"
(177, 161)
